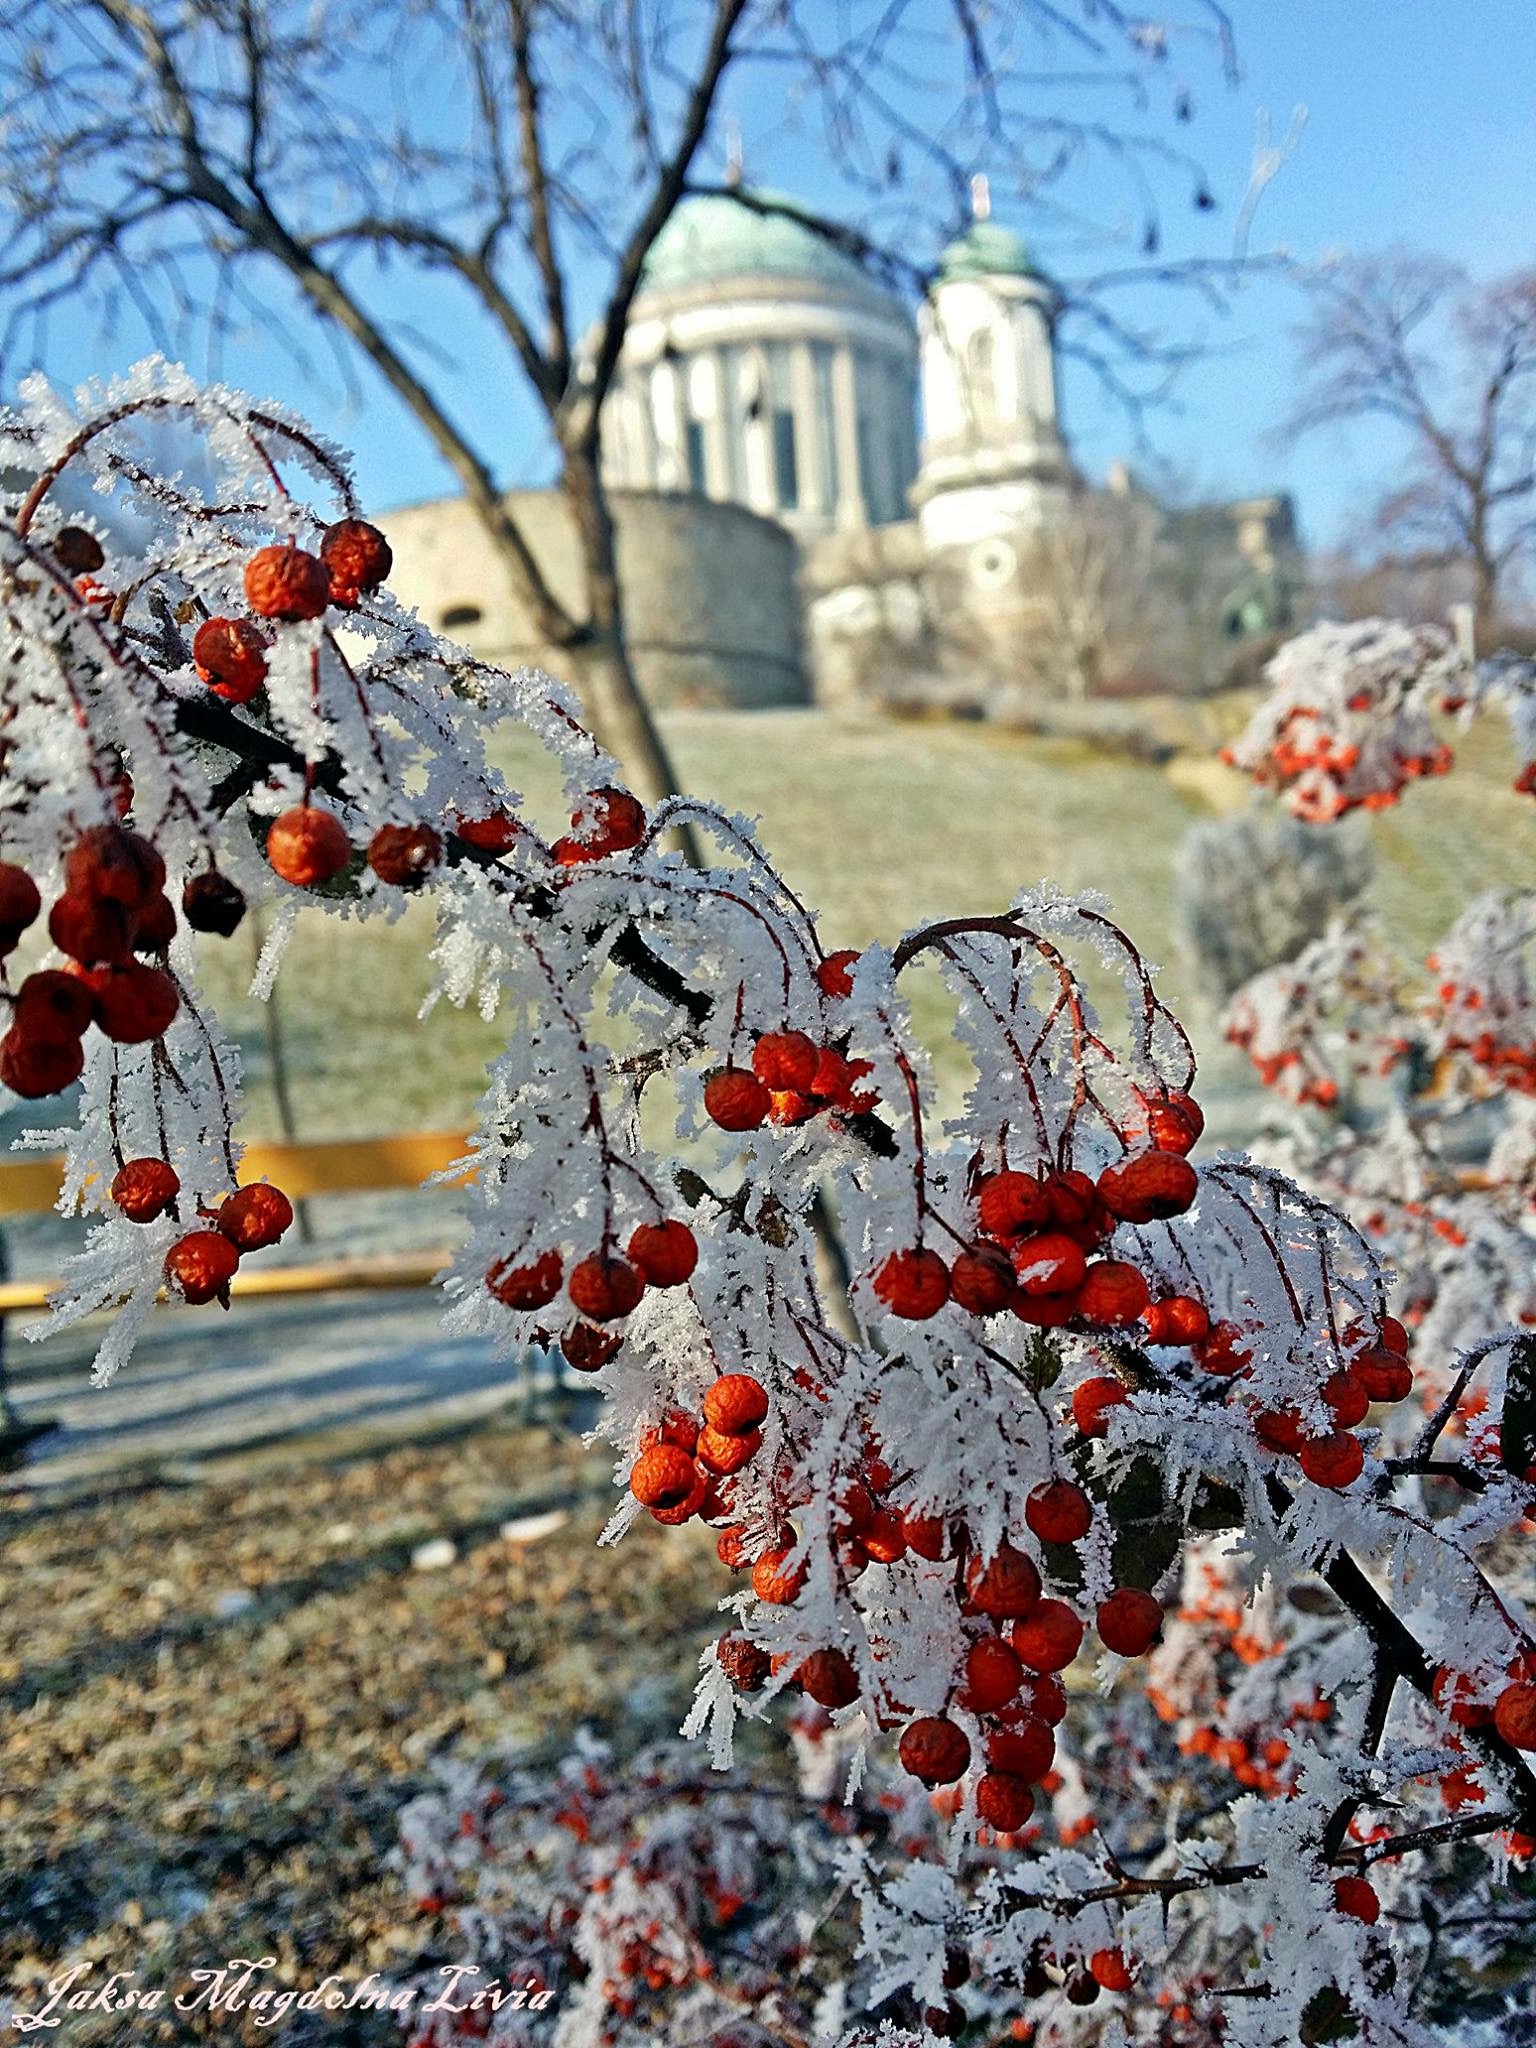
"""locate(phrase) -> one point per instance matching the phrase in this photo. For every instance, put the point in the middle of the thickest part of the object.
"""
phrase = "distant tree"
(377, 174)
(1099, 612)
(1411, 339)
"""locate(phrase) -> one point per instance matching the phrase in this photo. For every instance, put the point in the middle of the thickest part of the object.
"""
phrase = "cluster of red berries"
(686, 1464)
(1288, 1070)
(112, 910)
(603, 1288)
(288, 583)
(1512, 1711)
(791, 1079)
(1036, 1235)
(1511, 1066)
(200, 1265)
(1315, 766)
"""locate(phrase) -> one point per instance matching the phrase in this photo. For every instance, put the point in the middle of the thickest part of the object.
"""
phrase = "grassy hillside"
(879, 826)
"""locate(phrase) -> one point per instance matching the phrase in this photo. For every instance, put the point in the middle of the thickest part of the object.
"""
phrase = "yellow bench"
(30, 1187)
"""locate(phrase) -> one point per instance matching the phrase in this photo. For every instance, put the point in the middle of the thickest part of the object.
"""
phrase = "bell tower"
(993, 458)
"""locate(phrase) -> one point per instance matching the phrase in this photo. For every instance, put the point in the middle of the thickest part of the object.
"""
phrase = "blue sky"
(1420, 128)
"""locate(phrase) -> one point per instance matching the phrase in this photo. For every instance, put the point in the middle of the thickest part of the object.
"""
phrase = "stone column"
(852, 511)
(670, 468)
(814, 494)
(717, 431)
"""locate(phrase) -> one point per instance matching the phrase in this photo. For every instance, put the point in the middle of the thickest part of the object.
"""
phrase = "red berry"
(89, 929)
(913, 1284)
(286, 583)
(605, 1289)
(1050, 1264)
(993, 1675)
(1092, 1401)
(145, 1189)
(663, 1476)
(607, 821)
(736, 1404)
(231, 658)
(1279, 1428)
(357, 557)
(981, 1281)
(1176, 1319)
(1009, 1204)
(666, 1253)
(496, 834)
(1050, 1638)
(1059, 1512)
(19, 900)
(52, 1007)
(585, 1348)
(32, 1068)
(833, 974)
(1357, 1899)
(154, 925)
(744, 1663)
(1113, 1294)
(1385, 1375)
(529, 1286)
(1129, 1622)
(785, 1060)
(934, 1750)
(727, 1454)
(1347, 1398)
(1514, 1715)
(307, 846)
(1151, 1186)
(775, 1580)
(112, 864)
(829, 1679)
(78, 551)
(256, 1216)
(1174, 1121)
(1071, 1199)
(1332, 1460)
(201, 1265)
(1007, 1587)
(133, 1004)
(736, 1100)
(1026, 1750)
(1109, 1968)
(1004, 1802)
(209, 903)
(404, 855)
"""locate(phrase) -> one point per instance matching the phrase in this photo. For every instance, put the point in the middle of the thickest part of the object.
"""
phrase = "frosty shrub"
(1103, 1412)
(1256, 887)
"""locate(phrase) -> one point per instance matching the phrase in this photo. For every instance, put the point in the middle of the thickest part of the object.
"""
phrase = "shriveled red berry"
(1333, 1460)
(935, 1750)
(727, 1454)
(829, 1679)
(1129, 1622)
(585, 1348)
(1357, 1899)
(1222, 1352)
(529, 1285)
(153, 925)
(1052, 1263)
(744, 1663)
(1384, 1374)
(1004, 1802)
(666, 1253)
(1046, 1697)
(1347, 1398)
(993, 1675)
(607, 821)
(1151, 1186)
(1092, 1401)
(256, 1216)
(834, 974)
(33, 1068)
(775, 1579)
(133, 1003)
(307, 846)
(497, 833)
(357, 557)
(1174, 1121)
(1010, 1204)
(1279, 1428)
(663, 1476)
(201, 1265)
(736, 1404)
(605, 1288)
(785, 1060)
(52, 1006)
(404, 855)
(231, 658)
(1007, 1586)
(1050, 1637)
(736, 1100)
(19, 898)
(145, 1189)
(78, 551)
(1026, 1749)
(212, 903)
(90, 929)
(913, 1284)
(1113, 1294)
(113, 864)
(285, 582)
(1059, 1512)
(1514, 1715)
(981, 1281)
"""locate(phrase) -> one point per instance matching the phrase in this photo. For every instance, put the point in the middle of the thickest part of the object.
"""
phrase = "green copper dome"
(986, 249)
(713, 237)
